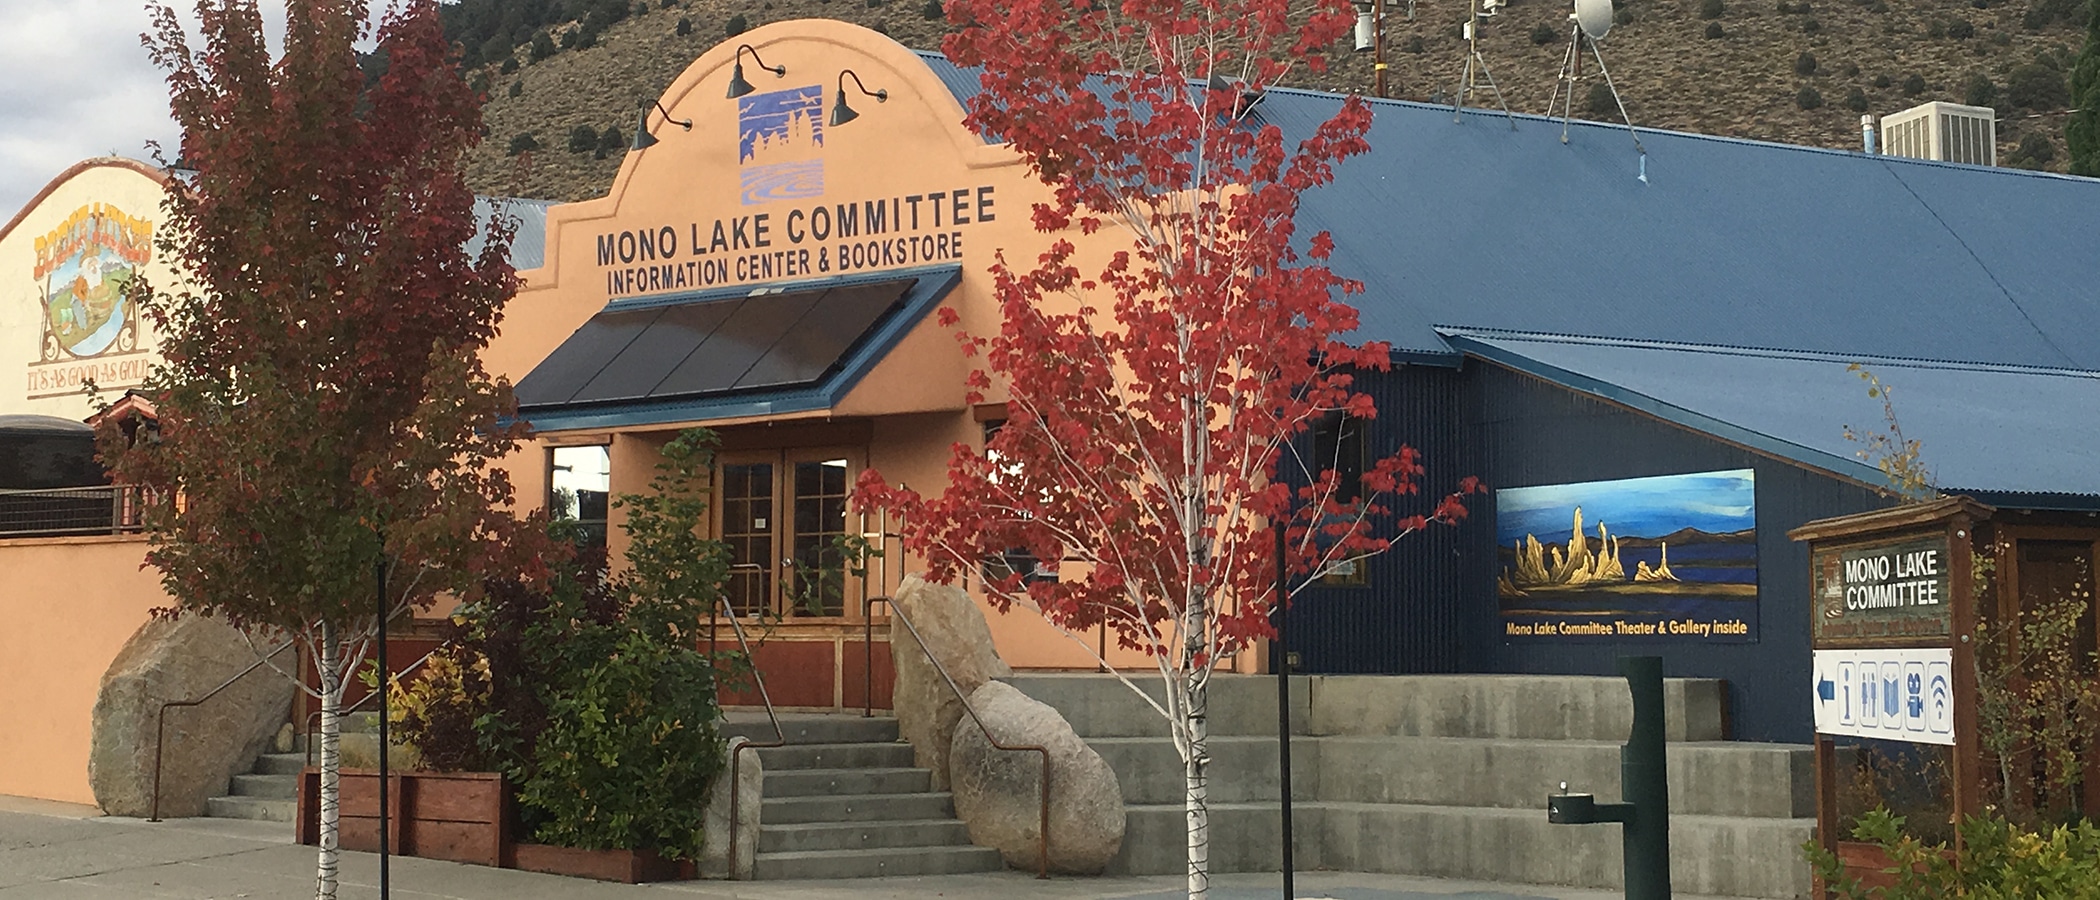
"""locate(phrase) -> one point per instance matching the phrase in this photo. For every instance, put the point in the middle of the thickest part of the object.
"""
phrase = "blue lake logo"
(780, 139)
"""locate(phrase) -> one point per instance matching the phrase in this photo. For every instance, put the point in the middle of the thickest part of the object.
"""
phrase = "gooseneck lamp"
(840, 112)
(643, 140)
(738, 87)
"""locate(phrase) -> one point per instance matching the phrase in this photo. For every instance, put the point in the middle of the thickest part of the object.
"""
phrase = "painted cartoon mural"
(779, 134)
(85, 269)
(1672, 556)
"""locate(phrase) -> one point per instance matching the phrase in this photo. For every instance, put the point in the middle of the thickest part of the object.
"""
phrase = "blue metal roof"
(528, 248)
(1729, 287)
(2021, 436)
(1473, 224)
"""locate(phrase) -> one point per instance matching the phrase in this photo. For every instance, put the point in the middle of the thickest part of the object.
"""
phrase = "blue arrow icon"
(1827, 690)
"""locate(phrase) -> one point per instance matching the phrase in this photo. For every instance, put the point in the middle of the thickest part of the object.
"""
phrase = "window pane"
(820, 519)
(579, 486)
(747, 527)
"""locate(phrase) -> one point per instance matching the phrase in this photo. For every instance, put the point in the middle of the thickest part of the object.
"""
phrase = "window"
(1016, 559)
(1338, 446)
(782, 515)
(579, 488)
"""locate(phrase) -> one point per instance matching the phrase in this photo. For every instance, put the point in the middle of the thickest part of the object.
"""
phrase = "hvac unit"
(1949, 132)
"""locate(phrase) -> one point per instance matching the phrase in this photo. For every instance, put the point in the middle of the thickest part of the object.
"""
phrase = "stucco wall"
(69, 605)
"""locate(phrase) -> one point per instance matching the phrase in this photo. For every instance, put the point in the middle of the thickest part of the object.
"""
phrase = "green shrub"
(1810, 26)
(1913, 84)
(611, 141)
(629, 752)
(685, 27)
(933, 10)
(2036, 86)
(509, 66)
(1712, 9)
(1961, 30)
(1979, 91)
(1414, 45)
(1543, 34)
(1805, 64)
(542, 46)
(517, 89)
(583, 139)
(736, 25)
(1997, 860)
(1856, 100)
(523, 142)
(1808, 98)
(1881, 81)
(1851, 70)
(1601, 103)
(1715, 32)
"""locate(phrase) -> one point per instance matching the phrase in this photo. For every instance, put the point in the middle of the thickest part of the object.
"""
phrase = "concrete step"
(266, 787)
(876, 863)
(807, 728)
(780, 838)
(1536, 707)
(836, 756)
(1242, 769)
(280, 763)
(1099, 705)
(856, 808)
(833, 782)
(257, 808)
(1541, 707)
(1721, 778)
(1736, 857)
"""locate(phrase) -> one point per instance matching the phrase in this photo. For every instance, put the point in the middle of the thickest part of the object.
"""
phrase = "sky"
(75, 82)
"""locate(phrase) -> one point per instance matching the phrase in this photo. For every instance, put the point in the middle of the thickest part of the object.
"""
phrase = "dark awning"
(740, 352)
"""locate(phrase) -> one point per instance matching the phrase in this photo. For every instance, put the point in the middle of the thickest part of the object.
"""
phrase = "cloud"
(75, 82)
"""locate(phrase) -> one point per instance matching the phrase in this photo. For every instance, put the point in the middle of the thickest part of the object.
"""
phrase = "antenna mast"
(1476, 69)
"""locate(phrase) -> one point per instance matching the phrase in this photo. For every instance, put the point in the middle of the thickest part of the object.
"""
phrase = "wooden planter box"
(1869, 864)
(458, 816)
(624, 866)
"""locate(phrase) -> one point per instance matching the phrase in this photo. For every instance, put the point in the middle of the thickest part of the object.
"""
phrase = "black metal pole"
(385, 680)
(1280, 663)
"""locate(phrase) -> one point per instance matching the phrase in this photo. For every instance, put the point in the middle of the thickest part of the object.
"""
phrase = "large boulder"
(956, 634)
(716, 859)
(998, 792)
(182, 659)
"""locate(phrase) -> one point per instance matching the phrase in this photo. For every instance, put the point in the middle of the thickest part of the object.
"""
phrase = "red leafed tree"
(322, 406)
(1164, 356)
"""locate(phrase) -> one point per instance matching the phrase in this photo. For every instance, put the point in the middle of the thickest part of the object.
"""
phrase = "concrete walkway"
(66, 852)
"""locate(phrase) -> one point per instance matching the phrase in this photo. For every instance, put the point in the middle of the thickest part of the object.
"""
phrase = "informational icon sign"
(1895, 694)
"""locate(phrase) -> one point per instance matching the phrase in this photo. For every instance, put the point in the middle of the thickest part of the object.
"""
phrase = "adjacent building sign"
(84, 270)
(1890, 591)
(1639, 559)
(1903, 694)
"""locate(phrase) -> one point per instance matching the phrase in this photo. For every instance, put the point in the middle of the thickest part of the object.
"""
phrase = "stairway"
(843, 800)
(1447, 776)
(268, 792)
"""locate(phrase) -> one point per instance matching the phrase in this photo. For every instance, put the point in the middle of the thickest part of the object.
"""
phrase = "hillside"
(1795, 71)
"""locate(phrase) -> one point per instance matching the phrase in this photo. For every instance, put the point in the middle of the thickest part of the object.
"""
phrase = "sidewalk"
(66, 852)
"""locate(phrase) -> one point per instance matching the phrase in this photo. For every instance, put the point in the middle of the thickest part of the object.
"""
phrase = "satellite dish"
(1594, 17)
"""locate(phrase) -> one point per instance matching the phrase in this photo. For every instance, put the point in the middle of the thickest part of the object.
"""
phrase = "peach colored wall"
(69, 604)
(913, 144)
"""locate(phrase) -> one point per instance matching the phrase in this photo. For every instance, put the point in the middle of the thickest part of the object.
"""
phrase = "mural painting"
(84, 271)
(1666, 557)
(779, 134)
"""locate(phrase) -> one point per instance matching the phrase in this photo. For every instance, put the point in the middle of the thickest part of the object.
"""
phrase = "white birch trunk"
(1196, 724)
(329, 667)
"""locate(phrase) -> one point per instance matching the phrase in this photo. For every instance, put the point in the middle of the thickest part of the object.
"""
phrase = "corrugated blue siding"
(1408, 617)
(1529, 432)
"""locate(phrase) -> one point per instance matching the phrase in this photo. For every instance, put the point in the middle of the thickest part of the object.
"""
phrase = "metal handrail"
(1043, 853)
(313, 718)
(736, 756)
(160, 732)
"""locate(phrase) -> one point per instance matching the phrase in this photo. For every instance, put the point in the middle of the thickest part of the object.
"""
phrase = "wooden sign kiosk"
(1895, 631)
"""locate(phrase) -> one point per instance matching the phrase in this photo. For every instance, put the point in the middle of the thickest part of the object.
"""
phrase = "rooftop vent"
(1948, 132)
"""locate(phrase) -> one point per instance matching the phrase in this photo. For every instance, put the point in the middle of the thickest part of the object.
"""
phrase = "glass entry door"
(782, 514)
